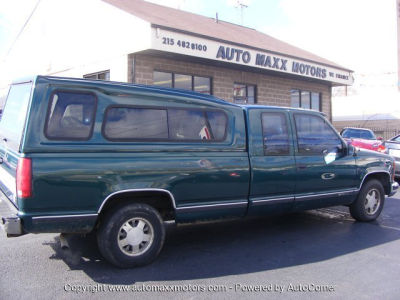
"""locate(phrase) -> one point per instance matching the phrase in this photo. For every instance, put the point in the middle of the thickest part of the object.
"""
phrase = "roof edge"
(155, 25)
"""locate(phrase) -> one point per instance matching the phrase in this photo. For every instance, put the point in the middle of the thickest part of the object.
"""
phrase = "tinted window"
(183, 82)
(315, 101)
(305, 99)
(358, 134)
(202, 85)
(127, 123)
(275, 134)
(13, 118)
(162, 79)
(244, 93)
(314, 135)
(131, 123)
(295, 98)
(70, 116)
(105, 75)
(217, 122)
(196, 124)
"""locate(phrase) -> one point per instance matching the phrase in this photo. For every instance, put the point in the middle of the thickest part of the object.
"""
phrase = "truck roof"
(126, 86)
(153, 89)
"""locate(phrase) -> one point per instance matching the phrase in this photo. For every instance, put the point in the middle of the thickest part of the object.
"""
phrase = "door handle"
(301, 166)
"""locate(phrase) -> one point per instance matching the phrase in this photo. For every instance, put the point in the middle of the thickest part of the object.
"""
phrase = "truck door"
(273, 167)
(326, 174)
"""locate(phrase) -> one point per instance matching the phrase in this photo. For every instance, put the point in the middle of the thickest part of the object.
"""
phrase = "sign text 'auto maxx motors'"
(200, 47)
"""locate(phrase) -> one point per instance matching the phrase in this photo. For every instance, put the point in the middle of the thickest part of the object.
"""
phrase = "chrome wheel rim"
(135, 236)
(372, 201)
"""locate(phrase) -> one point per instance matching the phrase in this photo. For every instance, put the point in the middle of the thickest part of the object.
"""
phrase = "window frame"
(86, 76)
(247, 92)
(186, 74)
(70, 139)
(298, 152)
(167, 140)
(299, 93)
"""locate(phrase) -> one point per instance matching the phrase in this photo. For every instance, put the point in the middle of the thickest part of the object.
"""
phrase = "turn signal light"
(24, 177)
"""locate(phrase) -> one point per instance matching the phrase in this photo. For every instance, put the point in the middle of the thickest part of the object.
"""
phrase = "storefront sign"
(199, 47)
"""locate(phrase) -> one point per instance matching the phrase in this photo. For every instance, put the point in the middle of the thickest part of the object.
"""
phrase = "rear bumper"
(10, 222)
(395, 187)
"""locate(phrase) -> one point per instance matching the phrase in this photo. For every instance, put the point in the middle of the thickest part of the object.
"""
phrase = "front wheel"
(131, 235)
(369, 203)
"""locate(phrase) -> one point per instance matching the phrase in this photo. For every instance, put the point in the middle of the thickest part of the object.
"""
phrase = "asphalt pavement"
(316, 254)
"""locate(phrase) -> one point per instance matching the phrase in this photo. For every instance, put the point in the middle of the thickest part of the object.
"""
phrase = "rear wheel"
(369, 203)
(131, 235)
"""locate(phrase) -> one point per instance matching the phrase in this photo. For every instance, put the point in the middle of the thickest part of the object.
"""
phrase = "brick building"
(151, 44)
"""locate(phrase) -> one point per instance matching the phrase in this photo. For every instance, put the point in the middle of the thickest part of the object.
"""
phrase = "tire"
(131, 235)
(369, 203)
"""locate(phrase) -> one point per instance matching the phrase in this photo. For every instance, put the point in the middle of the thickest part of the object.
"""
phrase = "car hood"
(365, 143)
(362, 152)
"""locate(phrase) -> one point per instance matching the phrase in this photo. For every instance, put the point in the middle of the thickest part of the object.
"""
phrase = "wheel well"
(161, 201)
(384, 178)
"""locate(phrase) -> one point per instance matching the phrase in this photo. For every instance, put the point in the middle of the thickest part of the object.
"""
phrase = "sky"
(357, 34)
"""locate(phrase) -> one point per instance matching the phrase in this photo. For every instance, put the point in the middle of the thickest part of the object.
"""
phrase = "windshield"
(358, 134)
(14, 114)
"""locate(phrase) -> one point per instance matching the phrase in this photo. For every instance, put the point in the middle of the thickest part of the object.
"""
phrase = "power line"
(22, 29)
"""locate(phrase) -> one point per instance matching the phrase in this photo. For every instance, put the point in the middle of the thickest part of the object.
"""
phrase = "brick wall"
(271, 90)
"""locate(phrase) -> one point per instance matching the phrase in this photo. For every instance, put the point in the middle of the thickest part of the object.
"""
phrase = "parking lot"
(320, 253)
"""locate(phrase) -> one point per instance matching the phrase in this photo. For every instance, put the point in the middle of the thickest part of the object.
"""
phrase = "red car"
(363, 138)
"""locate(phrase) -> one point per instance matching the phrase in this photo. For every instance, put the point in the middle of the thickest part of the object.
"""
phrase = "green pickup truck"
(119, 159)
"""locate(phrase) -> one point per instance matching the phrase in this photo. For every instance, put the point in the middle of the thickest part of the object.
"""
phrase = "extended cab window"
(70, 116)
(135, 123)
(314, 135)
(275, 134)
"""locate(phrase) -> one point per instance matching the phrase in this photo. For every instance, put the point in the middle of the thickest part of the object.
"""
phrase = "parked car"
(121, 159)
(363, 138)
(393, 149)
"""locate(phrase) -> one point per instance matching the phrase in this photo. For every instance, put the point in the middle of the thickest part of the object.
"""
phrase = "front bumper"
(394, 189)
(10, 222)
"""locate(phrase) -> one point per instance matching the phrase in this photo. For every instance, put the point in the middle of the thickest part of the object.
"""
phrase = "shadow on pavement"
(211, 250)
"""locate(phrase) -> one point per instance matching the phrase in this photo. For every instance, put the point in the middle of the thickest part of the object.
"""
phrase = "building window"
(104, 75)
(244, 93)
(162, 79)
(305, 99)
(202, 85)
(182, 81)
